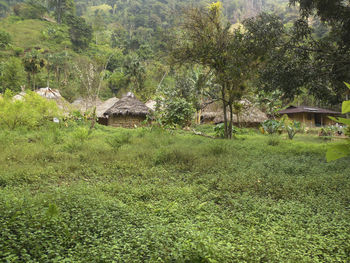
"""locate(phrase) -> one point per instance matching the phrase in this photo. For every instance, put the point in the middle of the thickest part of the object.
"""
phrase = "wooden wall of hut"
(312, 119)
(102, 121)
(126, 121)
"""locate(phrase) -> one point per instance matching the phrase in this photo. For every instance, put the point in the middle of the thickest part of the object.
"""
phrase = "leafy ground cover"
(149, 195)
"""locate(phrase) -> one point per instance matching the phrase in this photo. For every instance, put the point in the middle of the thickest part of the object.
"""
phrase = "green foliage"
(29, 112)
(273, 140)
(219, 130)
(341, 151)
(62, 8)
(292, 127)
(12, 75)
(118, 140)
(170, 198)
(81, 134)
(5, 39)
(54, 33)
(176, 111)
(30, 10)
(33, 63)
(271, 126)
(80, 33)
(117, 81)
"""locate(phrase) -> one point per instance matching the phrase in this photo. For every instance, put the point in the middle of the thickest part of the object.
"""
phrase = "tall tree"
(80, 33)
(227, 51)
(329, 57)
(33, 63)
(62, 8)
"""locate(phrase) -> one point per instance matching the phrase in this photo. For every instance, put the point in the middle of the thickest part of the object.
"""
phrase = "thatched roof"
(55, 95)
(249, 114)
(19, 96)
(101, 109)
(84, 105)
(128, 105)
(151, 104)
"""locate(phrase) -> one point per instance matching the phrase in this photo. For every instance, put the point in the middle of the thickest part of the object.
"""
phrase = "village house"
(310, 116)
(128, 112)
(249, 116)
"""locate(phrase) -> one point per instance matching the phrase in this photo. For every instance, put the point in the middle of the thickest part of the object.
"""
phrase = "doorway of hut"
(318, 120)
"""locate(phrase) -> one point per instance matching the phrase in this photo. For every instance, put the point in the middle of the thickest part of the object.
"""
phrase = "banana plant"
(292, 127)
(341, 150)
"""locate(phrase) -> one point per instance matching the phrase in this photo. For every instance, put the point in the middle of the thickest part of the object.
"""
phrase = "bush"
(273, 140)
(271, 126)
(13, 75)
(30, 112)
(292, 127)
(5, 39)
(18, 51)
(176, 111)
(219, 130)
(81, 134)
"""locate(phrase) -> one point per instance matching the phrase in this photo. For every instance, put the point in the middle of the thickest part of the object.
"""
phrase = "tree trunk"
(238, 119)
(231, 120)
(33, 81)
(225, 111)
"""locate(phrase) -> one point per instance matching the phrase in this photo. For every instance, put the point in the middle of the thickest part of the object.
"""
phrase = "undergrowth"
(148, 195)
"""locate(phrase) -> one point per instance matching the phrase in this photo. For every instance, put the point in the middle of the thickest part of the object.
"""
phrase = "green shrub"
(18, 51)
(341, 151)
(292, 127)
(81, 134)
(271, 126)
(12, 76)
(175, 111)
(219, 130)
(273, 140)
(31, 111)
(5, 39)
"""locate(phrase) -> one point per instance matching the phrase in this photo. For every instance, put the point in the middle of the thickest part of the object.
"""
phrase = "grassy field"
(149, 195)
(28, 33)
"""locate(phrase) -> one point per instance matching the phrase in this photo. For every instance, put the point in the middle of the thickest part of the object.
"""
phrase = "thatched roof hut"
(104, 106)
(127, 112)
(250, 115)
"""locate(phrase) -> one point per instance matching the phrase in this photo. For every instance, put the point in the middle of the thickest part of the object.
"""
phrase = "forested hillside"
(52, 43)
(131, 35)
